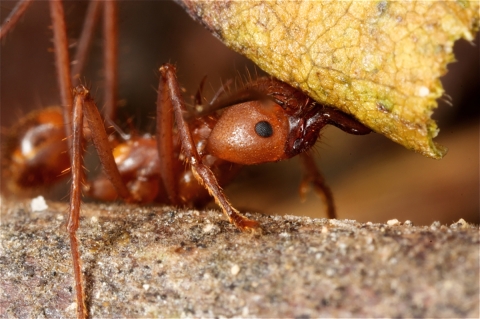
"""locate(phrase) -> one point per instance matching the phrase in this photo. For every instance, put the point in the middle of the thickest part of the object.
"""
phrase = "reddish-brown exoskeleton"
(265, 121)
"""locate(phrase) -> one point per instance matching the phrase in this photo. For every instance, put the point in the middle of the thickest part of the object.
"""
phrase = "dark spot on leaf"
(382, 108)
(382, 7)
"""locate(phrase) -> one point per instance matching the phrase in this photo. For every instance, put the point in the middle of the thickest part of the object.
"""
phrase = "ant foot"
(245, 224)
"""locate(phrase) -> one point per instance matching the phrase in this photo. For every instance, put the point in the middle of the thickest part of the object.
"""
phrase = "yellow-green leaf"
(378, 60)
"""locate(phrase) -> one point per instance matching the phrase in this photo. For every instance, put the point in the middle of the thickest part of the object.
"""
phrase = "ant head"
(250, 133)
(270, 121)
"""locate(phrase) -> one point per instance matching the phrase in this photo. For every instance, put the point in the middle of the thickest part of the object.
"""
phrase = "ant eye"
(264, 129)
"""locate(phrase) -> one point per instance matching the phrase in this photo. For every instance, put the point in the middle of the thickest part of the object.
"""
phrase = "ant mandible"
(265, 121)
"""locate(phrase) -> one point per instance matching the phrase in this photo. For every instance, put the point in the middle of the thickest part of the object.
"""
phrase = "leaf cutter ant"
(264, 121)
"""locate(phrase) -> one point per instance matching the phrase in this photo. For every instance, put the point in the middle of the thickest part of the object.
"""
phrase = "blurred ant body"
(265, 121)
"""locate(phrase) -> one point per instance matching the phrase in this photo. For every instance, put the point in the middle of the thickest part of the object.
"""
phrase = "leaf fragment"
(378, 60)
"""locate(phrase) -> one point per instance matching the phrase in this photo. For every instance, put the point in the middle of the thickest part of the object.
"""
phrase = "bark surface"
(166, 262)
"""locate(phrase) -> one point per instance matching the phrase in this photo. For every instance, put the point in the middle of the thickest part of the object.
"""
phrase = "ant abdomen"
(35, 155)
(35, 152)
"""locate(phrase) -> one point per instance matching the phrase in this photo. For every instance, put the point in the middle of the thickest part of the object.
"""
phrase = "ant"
(264, 121)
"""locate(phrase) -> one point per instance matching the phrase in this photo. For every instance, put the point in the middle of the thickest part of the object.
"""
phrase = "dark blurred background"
(373, 179)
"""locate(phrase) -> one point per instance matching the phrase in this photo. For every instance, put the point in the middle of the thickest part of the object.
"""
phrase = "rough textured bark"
(169, 262)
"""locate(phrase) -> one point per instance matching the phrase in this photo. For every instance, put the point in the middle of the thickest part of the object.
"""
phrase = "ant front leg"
(171, 100)
(312, 176)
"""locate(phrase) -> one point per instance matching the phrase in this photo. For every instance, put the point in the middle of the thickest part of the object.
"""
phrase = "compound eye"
(264, 129)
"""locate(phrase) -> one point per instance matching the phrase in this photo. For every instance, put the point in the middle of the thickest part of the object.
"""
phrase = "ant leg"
(85, 40)
(110, 35)
(75, 201)
(100, 141)
(83, 103)
(74, 145)
(13, 17)
(164, 136)
(171, 96)
(312, 176)
(62, 63)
